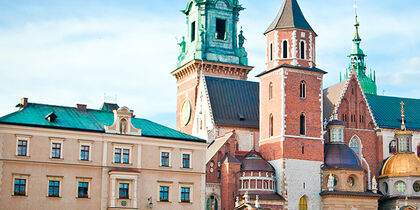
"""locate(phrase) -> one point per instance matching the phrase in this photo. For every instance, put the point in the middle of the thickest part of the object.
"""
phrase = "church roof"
(386, 111)
(215, 146)
(289, 16)
(332, 96)
(91, 120)
(234, 102)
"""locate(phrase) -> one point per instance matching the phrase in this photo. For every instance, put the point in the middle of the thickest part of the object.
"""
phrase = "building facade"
(55, 157)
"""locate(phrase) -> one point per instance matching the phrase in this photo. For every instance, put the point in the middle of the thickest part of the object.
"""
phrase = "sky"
(75, 52)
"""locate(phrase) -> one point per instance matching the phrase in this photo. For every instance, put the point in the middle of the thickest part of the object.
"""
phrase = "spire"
(403, 128)
(289, 16)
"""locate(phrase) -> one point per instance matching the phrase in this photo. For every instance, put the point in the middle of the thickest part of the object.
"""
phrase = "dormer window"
(51, 117)
(123, 123)
(220, 29)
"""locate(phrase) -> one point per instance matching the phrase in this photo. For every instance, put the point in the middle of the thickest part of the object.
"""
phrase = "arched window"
(271, 52)
(303, 89)
(355, 145)
(270, 91)
(302, 129)
(392, 147)
(302, 50)
(303, 204)
(271, 125)
(212, 203)
(285, 46)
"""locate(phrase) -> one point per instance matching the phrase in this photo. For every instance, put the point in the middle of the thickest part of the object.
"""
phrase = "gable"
(234, 102)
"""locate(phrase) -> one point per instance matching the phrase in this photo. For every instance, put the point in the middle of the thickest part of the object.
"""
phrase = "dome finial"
(403, 128)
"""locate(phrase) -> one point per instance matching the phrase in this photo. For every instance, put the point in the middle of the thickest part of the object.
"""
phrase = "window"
(193, 31)
(302, 50)
(123, 191)
(385, 187)
(350, 181)
(355, 146)
(220, 29)
(403, 145)
(416, 186)
(270, 91)
(185, 160)
(271, 52)
(285, 45)
(19, 187)
(164, 193)
(164, 159)
(82, 190)
(212, 203)
(185, 194)
(303, 205)
(400, 187)
(54, 188)
(22, 148)
(56, 150)
(392, 147)
(126, 155)
(303, 89)
(271, 122)
(117, 155)
(302, 129)
(219, 174)
(84, 153)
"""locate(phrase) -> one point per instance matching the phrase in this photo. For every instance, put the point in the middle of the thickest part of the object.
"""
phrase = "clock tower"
(212, 47)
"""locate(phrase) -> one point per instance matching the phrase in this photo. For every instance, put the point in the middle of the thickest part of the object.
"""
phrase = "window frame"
(58, 179)
(121, 159)
(359, 144)
(57, 141)
(83, 179)
(21, 177)
(302, 52)
(186, 152)
(302, 127)
(23, 138)
(271, 52)
(216, 27)
(169, 151)
(127, 189)
(302, 89)
(193, 28)
(303, 203)
(169, 192)
(285, 50)
(190, 193)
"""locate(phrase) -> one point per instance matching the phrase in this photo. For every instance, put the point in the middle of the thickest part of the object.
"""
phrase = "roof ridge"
(395, 97)
(231, 79)
(63, 106)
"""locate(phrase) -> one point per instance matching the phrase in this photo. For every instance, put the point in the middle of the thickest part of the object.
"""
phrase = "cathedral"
(285, 142)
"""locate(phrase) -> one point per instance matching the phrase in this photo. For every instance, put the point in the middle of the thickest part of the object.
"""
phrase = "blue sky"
(67, 52)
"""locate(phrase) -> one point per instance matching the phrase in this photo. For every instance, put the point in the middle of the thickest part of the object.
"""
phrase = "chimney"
(24, 102)
(81, 106)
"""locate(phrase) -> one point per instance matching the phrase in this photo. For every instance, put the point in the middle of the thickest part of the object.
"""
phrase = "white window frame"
(169, 150)
(20, 176)
(60, 141)
(60, 185)
(122, 147)
(186, 185)
(185, 151)
(83, 179)
(165, 184)
(85, 143)
(23, 138)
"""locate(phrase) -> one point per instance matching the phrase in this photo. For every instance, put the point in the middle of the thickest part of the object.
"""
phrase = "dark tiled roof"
(289, 16)
(234, 102)
(386, 111)
(285, 65)
(93, 120)
(254, 162)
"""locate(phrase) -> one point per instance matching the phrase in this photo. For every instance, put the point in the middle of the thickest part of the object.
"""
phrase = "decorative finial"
(403, 128)
(355, 9)
(237, 201)
(374, 185)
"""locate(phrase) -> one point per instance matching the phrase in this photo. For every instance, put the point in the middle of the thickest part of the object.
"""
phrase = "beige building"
(54, 157)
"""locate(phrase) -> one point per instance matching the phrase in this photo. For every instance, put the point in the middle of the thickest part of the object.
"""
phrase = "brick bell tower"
(291, 129)
(212, 47)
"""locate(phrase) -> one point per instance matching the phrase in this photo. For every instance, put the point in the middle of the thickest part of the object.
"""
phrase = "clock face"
(186, 112)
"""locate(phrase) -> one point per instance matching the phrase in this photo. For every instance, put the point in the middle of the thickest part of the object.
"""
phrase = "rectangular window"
(164, 193)
(123, 191)
(20, 187)
(220, 29)
(219, 174)
(56, 150)
(54, 189)
(185, 160)
(22, 148)
(164, 159)
(84, 153)
(117, 155)
(192, 31)
(271, 51)
(82, 190)
(185, 194)
(126, 155)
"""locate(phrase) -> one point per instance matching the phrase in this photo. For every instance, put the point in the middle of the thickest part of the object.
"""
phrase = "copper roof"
(254, 162)
(340, 156)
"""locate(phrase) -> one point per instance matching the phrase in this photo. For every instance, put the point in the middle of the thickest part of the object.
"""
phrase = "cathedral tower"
(212, 47)
(291, 129)
(290, 38)
(358, 65)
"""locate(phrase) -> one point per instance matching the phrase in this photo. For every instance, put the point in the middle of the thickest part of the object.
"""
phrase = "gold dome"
(402, 164)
